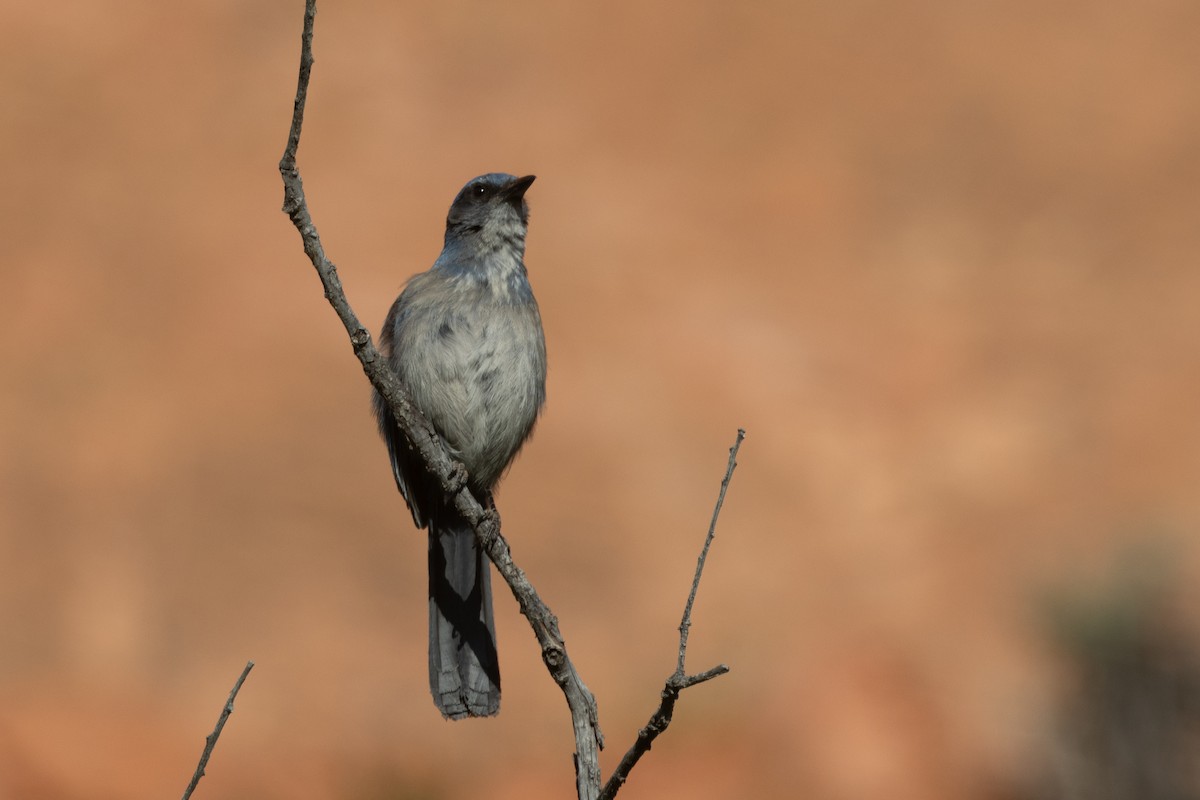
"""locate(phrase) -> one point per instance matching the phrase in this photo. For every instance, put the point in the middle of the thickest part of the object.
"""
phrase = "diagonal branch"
(679, 679)
(210, 741)
(424, 439)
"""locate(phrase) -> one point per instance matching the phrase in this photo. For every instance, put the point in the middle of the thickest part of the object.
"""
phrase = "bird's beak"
(516, 190)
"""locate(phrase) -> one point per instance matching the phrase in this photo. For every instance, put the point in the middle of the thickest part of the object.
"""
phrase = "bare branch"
(424, 439)
(685, 624)
(584, 717)
(210, 741)
(679, 679)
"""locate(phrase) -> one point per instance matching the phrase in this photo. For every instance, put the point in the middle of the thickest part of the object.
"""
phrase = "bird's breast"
(476, 367)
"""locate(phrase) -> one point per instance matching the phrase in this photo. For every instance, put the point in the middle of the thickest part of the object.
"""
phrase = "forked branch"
(679, 679)
(584, 717)
(425, 440)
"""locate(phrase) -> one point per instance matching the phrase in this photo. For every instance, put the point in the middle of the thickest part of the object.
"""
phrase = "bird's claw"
(491, 514)
(458, 478)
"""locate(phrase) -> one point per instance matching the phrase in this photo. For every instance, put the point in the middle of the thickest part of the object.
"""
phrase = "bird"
(465, 338)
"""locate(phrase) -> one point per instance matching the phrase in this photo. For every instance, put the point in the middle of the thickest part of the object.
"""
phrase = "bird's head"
(491, 207)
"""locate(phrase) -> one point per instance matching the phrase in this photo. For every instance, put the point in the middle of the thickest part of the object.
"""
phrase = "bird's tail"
(464, 670)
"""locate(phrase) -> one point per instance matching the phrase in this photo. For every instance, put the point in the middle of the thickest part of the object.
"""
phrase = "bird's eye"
(480, 191)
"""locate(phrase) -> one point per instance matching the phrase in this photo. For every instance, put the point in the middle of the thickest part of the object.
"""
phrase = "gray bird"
(466, 340)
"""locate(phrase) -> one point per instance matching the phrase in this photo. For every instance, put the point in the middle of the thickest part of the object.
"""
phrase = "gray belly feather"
(479, 378)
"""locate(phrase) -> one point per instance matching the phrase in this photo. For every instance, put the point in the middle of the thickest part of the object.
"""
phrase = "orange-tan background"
(938, 258)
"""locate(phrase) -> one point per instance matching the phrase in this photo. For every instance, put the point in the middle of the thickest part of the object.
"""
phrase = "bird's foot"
(458, 479)
(490, 512)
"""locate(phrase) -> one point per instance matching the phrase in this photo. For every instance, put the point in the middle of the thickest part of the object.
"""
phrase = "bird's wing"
(400, 455)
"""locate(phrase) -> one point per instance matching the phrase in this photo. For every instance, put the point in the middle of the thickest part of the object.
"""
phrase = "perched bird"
(466, 340)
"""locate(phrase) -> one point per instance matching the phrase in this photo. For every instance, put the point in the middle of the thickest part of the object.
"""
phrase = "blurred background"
(938, 258)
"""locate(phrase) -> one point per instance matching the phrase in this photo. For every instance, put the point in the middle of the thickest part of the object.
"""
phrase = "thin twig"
(210, 741)
(679, 679)
(425, 440)
(685, 623)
